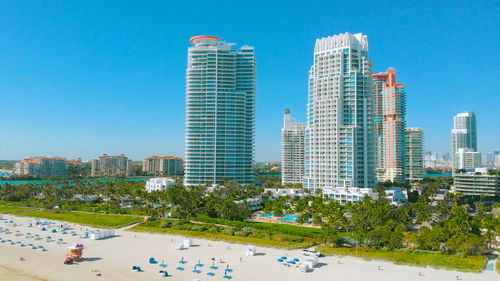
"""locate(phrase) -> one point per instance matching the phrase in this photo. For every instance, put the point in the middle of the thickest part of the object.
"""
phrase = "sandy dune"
(115, 257)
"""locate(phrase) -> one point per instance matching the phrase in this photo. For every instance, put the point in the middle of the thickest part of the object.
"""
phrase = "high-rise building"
(292, 150)
(414, 154)
(340, 133)
(168, 165)
(111, 166)
(463, 135)
(42, 167)
(220, 112)
(390, 122)
(466, 158)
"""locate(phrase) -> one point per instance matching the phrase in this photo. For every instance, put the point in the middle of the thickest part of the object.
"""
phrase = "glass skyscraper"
(464, 141)
(340, 134)
(220, 112)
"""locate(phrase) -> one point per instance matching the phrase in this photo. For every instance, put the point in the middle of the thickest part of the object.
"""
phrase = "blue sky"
(82, 78)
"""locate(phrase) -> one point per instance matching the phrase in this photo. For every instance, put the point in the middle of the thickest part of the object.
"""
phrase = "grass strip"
(415, 258)
(11, 209)
(93, 220)
(152, 227)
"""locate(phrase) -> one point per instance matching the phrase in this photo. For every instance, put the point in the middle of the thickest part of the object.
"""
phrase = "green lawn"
(272, 227)
(423, 259)
(229, 234)
(94, 220)
(10, 209)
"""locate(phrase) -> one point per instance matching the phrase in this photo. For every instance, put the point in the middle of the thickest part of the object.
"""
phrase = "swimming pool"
(267, 215)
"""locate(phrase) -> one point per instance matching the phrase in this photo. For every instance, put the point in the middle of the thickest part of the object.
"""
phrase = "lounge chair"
(210, 274)
(179, 268)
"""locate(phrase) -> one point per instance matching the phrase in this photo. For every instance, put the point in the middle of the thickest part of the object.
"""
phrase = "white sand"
(115, 257)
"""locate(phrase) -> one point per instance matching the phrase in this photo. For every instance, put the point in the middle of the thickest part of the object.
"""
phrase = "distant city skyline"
(74, 85)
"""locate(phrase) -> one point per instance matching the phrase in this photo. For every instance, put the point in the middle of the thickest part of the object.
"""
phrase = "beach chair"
(180, 268)
(227, 277)
(196, 271)
(210, 274)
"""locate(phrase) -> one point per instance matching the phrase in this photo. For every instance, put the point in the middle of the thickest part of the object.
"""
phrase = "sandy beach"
(114, 258)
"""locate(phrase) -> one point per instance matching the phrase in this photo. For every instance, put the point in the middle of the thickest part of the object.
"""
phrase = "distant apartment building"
(467, 159)
(168, 165)
(435, 160)
(476, 182)
(340, 133)
(220, 112)
(159, 184)
(292, 150)
(493, 159)
(414, 154)
(42, 167)
(111, 166)
(390, 123)
(464, 140)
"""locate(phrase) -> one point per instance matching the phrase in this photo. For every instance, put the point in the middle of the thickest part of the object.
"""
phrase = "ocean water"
(18, 182)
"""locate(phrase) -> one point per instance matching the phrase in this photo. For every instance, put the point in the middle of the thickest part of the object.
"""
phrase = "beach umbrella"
(210, 274)
(280, 260)
(199, 263)
(213, 265)
(180, 268)
(283, 258)
(291, 262)
(296, 259)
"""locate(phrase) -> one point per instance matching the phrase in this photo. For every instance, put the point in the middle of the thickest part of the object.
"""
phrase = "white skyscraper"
(464, 141)
(292, 150)
(340, 134)
(220, 112)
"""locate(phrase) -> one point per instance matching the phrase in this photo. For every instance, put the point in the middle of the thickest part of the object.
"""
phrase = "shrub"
(165, 224)
(228, 231)
(241, 233)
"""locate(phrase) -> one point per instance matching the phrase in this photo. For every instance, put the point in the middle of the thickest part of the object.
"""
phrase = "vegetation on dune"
(94, 220)
(226, 233)
(415, 258)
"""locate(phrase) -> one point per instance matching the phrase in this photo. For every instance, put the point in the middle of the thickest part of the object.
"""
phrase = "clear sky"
(82, 78)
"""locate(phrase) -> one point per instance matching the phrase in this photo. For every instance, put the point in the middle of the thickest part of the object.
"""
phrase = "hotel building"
(220, 112)
(390, 123)
(292, 150)
(168, 165)
(42, 167)
(111, 166)
(340, 133)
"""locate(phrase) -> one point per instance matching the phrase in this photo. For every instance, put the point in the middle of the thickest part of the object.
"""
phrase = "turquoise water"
(287, 218)
(18, 182)
(267, 215)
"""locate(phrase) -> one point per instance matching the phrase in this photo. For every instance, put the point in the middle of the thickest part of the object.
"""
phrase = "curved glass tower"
(220, 112)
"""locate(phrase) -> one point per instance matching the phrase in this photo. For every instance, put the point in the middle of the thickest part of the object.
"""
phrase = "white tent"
(250, 250)
(180, 246)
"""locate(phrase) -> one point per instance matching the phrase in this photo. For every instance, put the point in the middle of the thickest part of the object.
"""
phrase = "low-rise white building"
(282, 192)
(350, 194)
(159, 184)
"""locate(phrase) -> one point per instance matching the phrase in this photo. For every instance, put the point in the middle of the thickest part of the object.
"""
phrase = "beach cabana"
(304, 267)
(279, 260)
(54, 231)
(162, 273)
(152, 261)
(188, 243)
(250, 250)
(180, 246)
